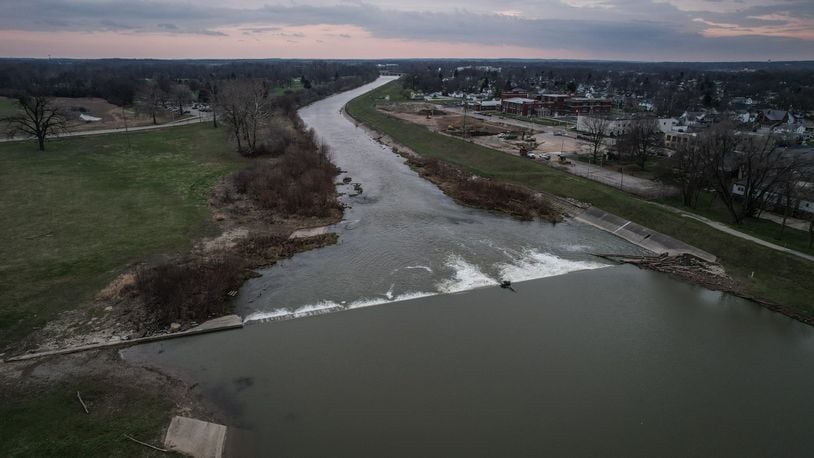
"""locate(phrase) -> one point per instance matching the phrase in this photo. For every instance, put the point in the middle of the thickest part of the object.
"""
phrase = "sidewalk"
(119, 130)
(724, 228)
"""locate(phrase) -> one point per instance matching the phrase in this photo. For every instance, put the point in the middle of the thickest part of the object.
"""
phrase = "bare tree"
(762, 167)
(212, 88)
(691, 171)
(720, 145)
(180, 96)
(596, 128)
(744, 169)
(151, 99)
(244, 106)
(791, 186)
(640, 140)
(40, 117)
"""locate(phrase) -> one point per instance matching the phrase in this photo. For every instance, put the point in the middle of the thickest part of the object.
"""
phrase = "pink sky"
(565, 29)
(311, 41)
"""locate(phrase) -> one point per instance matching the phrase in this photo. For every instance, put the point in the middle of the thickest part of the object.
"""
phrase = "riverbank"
(771, 277)
(41, 413)
(177, 291)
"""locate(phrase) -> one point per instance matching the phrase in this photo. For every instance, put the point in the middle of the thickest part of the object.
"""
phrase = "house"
(666, 125)
(691, 118)
(773, 118)
(585, 105)
(554, 104)
(487, 105)
(675, 140)
(520, 106)
(515, 93)
(616, 126)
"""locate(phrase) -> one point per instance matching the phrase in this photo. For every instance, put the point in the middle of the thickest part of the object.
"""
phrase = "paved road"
(86, 133)
(634, 185)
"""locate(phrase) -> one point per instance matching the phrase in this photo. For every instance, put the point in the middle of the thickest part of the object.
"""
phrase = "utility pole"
(465, 106)
(126, 132)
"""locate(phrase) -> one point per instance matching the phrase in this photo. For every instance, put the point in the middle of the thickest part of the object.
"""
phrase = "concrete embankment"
(639, 235)
(215, 325)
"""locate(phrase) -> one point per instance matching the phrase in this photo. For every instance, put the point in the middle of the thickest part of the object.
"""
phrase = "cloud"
(630, 29)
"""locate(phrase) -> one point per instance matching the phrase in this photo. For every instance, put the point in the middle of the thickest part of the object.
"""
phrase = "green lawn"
(78, 214)
(50, 421)
(777, 277)
(714, 209)
(8, 107)
(296, 85)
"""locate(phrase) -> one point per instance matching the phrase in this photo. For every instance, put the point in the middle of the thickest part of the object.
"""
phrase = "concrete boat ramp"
(196, 438)
(640, 235)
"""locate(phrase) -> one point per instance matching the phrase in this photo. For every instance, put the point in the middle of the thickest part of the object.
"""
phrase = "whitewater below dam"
(403, 238)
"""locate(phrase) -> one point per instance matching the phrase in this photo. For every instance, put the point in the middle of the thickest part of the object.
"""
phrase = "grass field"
(777, 277)
(714, 209)
(80, 213)
(49, 421)
(296, 85)
(7, 107)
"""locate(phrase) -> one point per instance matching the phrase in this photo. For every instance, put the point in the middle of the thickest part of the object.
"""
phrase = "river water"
(582, 359)
(403, 238)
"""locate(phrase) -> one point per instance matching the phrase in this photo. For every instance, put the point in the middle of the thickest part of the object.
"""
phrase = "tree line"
(240, 92)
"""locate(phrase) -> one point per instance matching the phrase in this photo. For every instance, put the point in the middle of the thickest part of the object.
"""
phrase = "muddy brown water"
(581, 359)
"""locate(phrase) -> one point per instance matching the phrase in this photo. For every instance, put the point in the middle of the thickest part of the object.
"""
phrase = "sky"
(640, 30)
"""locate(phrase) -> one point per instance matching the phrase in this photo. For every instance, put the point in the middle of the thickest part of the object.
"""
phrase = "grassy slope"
(777, 277)
(49, 421)
(8, 107)
(767, 230)
(78, 214)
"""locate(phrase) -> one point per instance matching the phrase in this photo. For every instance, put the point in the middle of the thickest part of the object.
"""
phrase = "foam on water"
(534, 264)
(322, 307)
(420, 267)
(528, 264)
(467, 276)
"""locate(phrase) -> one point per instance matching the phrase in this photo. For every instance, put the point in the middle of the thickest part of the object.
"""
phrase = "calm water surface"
(582, 360)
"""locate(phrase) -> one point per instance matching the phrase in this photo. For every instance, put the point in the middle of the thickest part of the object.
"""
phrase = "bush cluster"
(189, 289)
(299, 183)
(482, 193)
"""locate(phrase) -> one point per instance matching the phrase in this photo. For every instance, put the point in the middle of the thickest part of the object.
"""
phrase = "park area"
(80, 213)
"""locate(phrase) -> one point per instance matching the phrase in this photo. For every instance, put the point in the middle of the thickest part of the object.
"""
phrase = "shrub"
(300, 182)
(188, 289)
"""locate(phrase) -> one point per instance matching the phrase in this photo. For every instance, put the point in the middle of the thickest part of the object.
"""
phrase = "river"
(582, 359)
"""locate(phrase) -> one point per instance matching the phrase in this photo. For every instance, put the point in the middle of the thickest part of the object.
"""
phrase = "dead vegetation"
(482, 193)
(190, 289)
(297, 186)
(300, 183)
(687, 268)
(255, 209)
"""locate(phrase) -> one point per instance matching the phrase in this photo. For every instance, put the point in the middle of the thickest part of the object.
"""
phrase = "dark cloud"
(622, 31)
